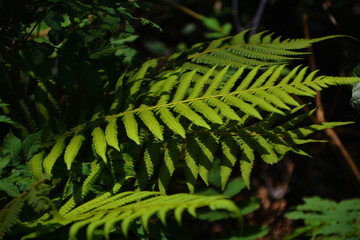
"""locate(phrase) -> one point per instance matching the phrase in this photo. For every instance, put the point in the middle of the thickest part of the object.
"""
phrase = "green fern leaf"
(137, 78)
(54, 154)
(42, 110)
(70, 204)
(231, 82)
(225, 109)
(244, 106)
(261, 102)
(187, 112)
(199, 85)
(131, 127)
(168, 118)
(99, 141)
(90, 180)
(206, 155)
(111, 133)
(191, 167)
(183, 86)
(35, 166)
(151, 157)
(10, 188)
(229, 150)
(207, 111)
(327, 219)
(126, 207)
(9, 214)
(259, 50)
(247, 159)
(171, 156)
(283, 96)
(51, 99)
(72, 149)
(150, 121)
(216, 81)
(168, 87)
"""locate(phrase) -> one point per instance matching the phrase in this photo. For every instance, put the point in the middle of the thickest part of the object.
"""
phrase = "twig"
(235, 8)
(334, 139)
(184, 9)
(31, 31)
(258, 16)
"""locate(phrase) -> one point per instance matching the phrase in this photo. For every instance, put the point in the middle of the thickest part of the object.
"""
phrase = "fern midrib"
(229, 47)
(150, 108)
(81, 127)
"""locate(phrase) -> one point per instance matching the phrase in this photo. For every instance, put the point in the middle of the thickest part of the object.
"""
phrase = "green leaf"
(35, 166)
(32, 144)
(234, 187)
(12, 146)
(111, 133)
(131, 127)
(54, 154)
(211, 23)
(99, 141)
(10, 188)
(152, 123)
(169, 119)
(72, 149)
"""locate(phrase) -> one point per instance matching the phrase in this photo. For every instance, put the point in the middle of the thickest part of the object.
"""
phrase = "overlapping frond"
(271, 139)
(224, 99)
(176, 105)
(124, 208)
(258, 50)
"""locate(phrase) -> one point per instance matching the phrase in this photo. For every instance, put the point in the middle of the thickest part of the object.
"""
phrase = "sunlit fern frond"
(261, 49)
(176, 105)
(112, 212)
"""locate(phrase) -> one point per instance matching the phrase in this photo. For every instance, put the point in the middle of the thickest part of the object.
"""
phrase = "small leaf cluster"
(327, 219)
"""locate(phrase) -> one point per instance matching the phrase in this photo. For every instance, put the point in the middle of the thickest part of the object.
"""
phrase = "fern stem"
(258, 15)
(184, 9)
(335, 141)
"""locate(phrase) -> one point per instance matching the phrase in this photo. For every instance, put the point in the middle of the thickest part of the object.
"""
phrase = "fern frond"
(191, 166)
(327, 219)
(229, 158)
(171, 157)
(54, 154)
(126, 207)
(99, 141)
(90, 180)
(111, 134)
(72, 149)
(42, 110)
(206, 155)
(259, 50)
(247, 159)
(168, 118)
(147, 166)
(205, 105)
(131, 127)
(151, 122)
(35, 166)
(10, 213)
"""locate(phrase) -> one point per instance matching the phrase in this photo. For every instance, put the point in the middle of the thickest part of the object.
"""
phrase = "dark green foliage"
(327, 219)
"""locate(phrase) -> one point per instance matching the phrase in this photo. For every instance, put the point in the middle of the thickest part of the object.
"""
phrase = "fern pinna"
(230, 100)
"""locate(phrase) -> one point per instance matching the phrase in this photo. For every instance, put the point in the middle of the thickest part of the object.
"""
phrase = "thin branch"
(235, 8)
(31, 31)
(184, 9)
(334, 139)
(258, 16)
